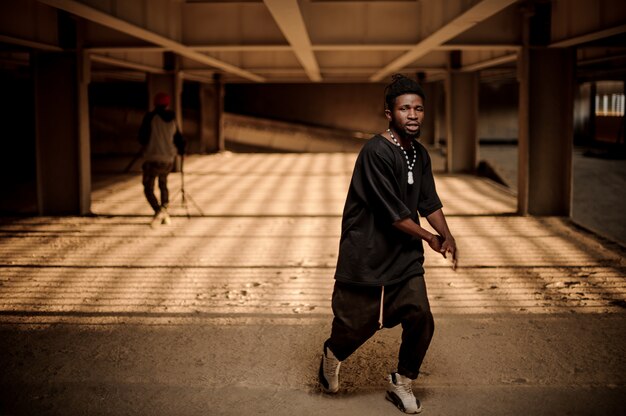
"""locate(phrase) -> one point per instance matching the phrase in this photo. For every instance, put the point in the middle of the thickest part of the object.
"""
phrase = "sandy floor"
(225, 313)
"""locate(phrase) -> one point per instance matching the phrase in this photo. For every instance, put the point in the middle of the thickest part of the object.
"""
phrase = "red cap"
(162, 99)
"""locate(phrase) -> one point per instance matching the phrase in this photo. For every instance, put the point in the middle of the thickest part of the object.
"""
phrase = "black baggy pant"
(357, 311)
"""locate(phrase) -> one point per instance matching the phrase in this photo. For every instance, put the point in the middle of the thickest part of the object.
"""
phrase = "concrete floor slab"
(225, 313)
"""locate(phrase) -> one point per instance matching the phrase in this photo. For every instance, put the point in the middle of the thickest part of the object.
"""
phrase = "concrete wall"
(117, 110)
(353, 107)
(245, 133)
(359, 107)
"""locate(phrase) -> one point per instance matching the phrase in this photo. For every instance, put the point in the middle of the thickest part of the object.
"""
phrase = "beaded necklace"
(409, 165)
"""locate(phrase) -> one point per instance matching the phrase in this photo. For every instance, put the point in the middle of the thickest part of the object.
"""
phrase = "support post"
(211, 116)
(428, 131)
(546, 100)
(63, 154)
(461, 117)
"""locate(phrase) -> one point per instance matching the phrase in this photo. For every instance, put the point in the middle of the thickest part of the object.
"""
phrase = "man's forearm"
(409, 226)
(438, 221)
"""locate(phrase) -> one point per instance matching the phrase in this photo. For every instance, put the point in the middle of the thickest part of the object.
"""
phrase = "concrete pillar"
(439, 111)
(546, 82)
(428, 131)
(63, 154)
(621, 139)
(546, 131)
(211, 116)
(170, 83)
(461, 118)
(592, 112)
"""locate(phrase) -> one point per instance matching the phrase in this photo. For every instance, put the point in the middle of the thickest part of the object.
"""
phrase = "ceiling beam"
(257, 48)
(460, 24)
(133, 76)
(287, 15)
(478, 47)
(347, 47)
(126, 49)
(126, 64)
(601, 59)
(198, 78)
(589, 37)
(490, 62)
(362, 47)
(361, 71)
(123, 26)
(29, 43)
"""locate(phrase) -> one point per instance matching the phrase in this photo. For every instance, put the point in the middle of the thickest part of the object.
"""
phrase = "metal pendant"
(410, 179)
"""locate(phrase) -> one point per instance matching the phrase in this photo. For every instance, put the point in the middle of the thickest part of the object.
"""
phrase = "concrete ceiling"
(306, 40)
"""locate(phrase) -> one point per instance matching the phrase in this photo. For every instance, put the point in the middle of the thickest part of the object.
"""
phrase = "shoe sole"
(393, 398)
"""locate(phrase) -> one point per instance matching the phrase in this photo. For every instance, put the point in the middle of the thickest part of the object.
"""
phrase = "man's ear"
(388, 115)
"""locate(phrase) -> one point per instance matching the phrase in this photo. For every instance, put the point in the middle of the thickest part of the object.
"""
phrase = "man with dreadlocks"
(379, 279)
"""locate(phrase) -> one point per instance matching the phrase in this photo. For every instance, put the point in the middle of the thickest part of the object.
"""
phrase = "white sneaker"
(166, 220)
(400, 393)
(329, 371)
(157, 219)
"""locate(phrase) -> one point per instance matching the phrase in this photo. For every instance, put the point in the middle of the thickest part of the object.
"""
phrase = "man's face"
(407, 115)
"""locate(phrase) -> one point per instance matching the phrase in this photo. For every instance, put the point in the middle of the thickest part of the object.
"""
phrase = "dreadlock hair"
(401, 85)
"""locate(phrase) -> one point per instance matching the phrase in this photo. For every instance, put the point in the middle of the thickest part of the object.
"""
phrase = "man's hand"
(436, 243)
(443, 246)
(438, 221)
(449, 246)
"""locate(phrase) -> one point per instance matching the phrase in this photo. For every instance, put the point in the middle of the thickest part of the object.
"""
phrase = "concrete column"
(592, 112)
(427, 136)
(546, 131)
(621, 139)
(439, 111)
(461, 118)
(84, 142)
(546, 82)
(212, 116)
(170, 83)
(63, 154)
(219, 111)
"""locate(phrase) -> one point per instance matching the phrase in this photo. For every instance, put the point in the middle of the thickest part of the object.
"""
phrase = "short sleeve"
(375, 182)
(429, 201)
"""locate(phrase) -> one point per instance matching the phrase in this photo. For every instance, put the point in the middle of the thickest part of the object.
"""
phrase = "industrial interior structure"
(305, 75)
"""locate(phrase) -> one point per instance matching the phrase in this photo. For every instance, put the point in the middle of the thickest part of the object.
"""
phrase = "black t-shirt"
(372, 251)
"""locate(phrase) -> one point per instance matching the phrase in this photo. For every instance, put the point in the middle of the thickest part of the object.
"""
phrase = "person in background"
(161, 141)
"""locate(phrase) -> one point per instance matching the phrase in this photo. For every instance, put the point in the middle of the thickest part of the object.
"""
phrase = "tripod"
(184, 195)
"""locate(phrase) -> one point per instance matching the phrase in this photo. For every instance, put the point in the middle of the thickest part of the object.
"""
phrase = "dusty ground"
(224, 313)
(477, 365)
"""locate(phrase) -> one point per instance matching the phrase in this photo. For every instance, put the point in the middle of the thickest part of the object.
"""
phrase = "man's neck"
(404, 141)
